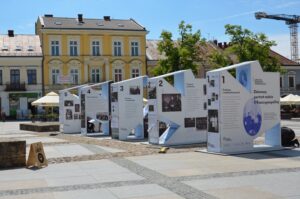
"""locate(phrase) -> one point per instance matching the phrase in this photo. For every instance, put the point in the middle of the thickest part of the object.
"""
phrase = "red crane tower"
(292, 21)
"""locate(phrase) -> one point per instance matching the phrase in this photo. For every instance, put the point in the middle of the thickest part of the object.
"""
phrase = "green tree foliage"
(219, 59)
(247, 46)
(181, 54)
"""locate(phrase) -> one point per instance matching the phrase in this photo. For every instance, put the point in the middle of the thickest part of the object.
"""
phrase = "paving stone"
(274, 184)
(166, 182)
(247, 192)
(139, 191)
(190, 164)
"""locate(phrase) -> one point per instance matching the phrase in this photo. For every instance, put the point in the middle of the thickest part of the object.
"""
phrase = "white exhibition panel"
(127, 108)
(177, 113)
(95, 109)
(241, 109)
(69, 111)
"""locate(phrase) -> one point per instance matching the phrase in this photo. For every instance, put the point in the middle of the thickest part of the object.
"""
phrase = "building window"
(96, 48)
(95, 75)
(15, 76)
(291, 81)
(75, 76)
(55, 48)
(118, 74)
(135, 72)
(117, 48)
(73, 48)
(55, 75)
(281, 82)
(31, 76)
(1, 80)
(134, 48)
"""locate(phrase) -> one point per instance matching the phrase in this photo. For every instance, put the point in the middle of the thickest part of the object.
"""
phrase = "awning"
(290, 100)
(51, 99)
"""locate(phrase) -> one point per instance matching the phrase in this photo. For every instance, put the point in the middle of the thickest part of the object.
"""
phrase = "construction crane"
(292, 21)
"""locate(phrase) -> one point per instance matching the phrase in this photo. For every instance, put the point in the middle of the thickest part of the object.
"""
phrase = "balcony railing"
(19, 86)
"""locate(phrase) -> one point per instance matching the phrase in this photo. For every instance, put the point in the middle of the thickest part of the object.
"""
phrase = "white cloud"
(283, 44)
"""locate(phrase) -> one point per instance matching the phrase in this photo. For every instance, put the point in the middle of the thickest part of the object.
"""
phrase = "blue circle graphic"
(252, 117)
(243, 78)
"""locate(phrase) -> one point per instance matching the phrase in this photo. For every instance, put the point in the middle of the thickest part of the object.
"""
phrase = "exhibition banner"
(177, 109)
(69, 110)
(128, 109)
(243, 103)
(95, 109)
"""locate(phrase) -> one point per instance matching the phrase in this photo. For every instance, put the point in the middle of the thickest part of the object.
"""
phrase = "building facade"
(20, 74)
(78, 50)
(290, 80)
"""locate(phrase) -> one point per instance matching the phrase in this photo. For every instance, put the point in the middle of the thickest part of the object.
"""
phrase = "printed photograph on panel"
(152, 93)
(114, 97)
(69, 114)
(213, 121)
(77, 108)
(171, 102)
(189, 122)
(201, 123)
(134, 90)
(69, 103)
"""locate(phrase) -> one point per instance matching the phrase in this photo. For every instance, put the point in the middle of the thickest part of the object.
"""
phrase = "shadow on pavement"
(285, 153)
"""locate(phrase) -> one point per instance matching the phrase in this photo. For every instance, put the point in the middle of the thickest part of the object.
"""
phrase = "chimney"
(11, 33)
(48, 15)
(106, 18)
(80, 18)
(216, 42)
(220, 45)
(225, 45)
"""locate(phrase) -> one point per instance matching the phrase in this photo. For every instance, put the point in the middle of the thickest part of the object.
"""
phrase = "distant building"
(81, 50)
(20, 73)
(153, 55)
(290, 81)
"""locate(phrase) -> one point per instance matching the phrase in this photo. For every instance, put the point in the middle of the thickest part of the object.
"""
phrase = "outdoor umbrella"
(51, 99)
(290, 100)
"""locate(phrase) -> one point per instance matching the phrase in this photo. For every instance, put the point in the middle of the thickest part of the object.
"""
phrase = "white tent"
(51, 99)
(290, 100)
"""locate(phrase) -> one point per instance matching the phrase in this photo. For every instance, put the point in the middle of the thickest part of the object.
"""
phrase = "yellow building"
(79, 50)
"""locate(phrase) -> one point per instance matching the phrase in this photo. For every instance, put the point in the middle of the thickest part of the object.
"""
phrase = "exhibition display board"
(127, 108)
(95, 109)
(177, 109)
(243, 103)
(69, 110)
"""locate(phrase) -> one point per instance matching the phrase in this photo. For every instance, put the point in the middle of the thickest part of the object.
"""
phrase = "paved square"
(124, 170)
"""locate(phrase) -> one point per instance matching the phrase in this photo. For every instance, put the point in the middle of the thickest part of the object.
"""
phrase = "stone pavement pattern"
(135, 171)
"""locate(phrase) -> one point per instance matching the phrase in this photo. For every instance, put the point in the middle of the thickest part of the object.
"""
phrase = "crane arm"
(290, 19)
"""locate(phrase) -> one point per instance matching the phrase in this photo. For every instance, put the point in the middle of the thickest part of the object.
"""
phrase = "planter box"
(40, 127)
(12, 153)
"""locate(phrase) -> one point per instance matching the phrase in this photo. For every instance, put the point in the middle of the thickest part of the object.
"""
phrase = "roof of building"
(20, 45)
(153, 53)
(283, 60)
(50, 22)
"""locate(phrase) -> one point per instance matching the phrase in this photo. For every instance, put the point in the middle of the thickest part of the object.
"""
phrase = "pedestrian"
(3, 116)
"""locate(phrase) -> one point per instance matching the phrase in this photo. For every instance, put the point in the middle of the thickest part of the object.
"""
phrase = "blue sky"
(209, 16)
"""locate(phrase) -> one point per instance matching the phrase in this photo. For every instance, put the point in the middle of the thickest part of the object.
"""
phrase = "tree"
(247, 46)
(219, 59)
(181, 54)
